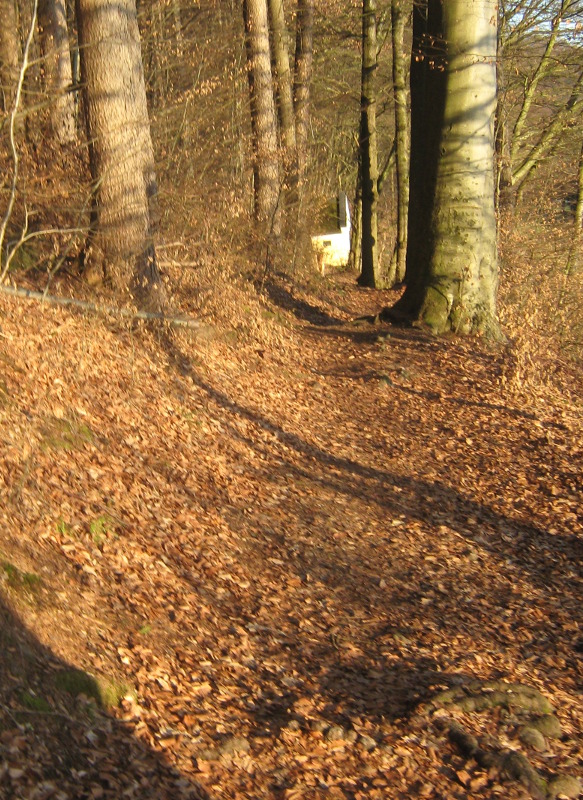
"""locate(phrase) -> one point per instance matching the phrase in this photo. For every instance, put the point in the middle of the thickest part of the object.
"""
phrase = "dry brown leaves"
(283, 541)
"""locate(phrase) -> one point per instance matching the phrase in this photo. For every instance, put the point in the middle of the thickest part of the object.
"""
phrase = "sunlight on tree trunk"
(283, 77)
(9, 53)
(368, 158)
(122, 160)
(266, 166)
(402, 139)
(454, 262)
(58, 75)
(302, 81)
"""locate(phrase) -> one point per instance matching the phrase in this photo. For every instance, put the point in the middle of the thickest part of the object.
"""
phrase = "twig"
(177, 321)
(15, 157)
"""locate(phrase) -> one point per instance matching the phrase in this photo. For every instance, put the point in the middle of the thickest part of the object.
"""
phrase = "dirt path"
(287, 544)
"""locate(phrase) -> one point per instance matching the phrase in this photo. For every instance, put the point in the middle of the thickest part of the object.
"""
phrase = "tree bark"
(9, 53)
(368, 158)
(121, 152)
(402, 139)
(575, 260)
(283, 78)
(302, 81)
(452, 258)
(58, 75)
(266, 166)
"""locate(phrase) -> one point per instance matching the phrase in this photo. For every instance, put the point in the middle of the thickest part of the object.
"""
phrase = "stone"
(335, 733)
(236, 744)
(549, 725)
(564, 785)
(366, 742)
(532, 737)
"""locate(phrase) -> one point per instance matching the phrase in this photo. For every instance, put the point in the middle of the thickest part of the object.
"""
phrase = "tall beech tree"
(283, 77)
(9, 53)
(57, 71)
(302, 80)
(266, 164)
(121, 153)
(452, 260)
(368, 155)
(399, 15)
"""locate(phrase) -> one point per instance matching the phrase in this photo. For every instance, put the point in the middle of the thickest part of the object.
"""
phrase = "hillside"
(247, 565)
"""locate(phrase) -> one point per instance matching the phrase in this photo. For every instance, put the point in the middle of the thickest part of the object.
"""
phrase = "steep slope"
(270, 551)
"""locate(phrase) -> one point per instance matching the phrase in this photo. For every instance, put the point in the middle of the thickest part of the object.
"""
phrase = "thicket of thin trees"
(227, 123)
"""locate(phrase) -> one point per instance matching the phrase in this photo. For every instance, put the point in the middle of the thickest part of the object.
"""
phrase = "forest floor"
(249, 565)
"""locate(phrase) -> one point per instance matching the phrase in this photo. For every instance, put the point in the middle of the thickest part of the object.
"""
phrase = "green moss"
(17, 580)
(34, 702)
(76, 682)
(113, 692)
(106, 693)
(64, 434)
(100, 528)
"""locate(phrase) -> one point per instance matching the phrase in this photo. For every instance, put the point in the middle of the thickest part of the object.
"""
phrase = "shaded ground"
(285, 541)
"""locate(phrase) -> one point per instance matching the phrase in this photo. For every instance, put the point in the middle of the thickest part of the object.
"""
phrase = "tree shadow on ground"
(379, 678)
(283, 298)
(54, 739)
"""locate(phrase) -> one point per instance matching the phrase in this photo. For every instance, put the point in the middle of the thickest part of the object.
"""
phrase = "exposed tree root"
(509, 763)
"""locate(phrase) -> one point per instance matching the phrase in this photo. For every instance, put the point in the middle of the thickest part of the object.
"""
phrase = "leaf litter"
(280, 546)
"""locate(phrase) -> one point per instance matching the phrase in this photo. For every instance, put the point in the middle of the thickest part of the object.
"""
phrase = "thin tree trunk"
(402, 139)
(283, 78)
(9, 53)
(266, 165)
(504, 195)
(368, 148)
(575, 260)
(551, 134)
(302, 81)
(355, 257)
(545, 65)
(122, 159)
(58, 74)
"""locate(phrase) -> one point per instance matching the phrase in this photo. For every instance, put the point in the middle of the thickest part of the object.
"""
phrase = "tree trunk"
(302, 81)
(402, 139)
(122, 161)
(505, 197)
(58, 75)
(355, 257)
(283, 78)
(266, 166)
(575, 260)
(9, 53)
(452, 258)
(368, 160)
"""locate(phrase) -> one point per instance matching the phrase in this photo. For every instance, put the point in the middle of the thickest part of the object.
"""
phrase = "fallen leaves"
(282, 572)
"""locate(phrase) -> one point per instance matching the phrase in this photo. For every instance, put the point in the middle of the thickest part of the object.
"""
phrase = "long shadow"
(357, 671)
(52, 740)
(415, 496)
(283, 298)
